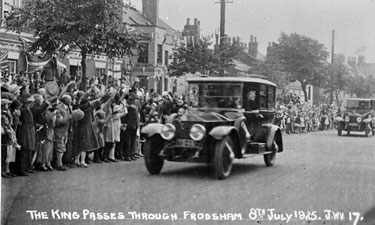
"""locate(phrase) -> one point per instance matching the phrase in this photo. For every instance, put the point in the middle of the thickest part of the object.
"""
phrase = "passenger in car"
(249, 102)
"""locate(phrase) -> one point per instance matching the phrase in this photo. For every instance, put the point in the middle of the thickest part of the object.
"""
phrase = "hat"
(65, 98)
(52, 88)
(42, 91)
(14, 89)
(5, 87)
(158, 98)
(38, 96)
(77, 114)
(5, 101)
(26, 97)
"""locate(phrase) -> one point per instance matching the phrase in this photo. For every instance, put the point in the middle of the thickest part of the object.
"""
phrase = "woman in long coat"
(26, 137)
(87, 139)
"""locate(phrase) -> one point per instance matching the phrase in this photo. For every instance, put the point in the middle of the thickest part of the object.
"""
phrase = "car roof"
(360, 99)
(230, 79)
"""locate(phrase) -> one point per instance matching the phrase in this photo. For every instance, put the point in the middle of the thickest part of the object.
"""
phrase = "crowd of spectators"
(44, 131)
(295, 116)
(74, 128)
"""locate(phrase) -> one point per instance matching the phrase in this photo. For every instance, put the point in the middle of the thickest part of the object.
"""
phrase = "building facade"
(149, 65)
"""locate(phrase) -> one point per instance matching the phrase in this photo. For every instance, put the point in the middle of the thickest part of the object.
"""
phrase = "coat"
(131, 119)
(62, 123)
(26, 130)
(86, 136)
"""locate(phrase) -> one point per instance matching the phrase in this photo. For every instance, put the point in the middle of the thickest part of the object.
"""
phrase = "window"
(143, 53)
(166, 58)
(215, 95)
(159, 59)
(271, 98)
(263, 96)
(99, 72)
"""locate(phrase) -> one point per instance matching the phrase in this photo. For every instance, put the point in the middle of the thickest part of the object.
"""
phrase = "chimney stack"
(150, 10)
(253, 46)
(188, 21)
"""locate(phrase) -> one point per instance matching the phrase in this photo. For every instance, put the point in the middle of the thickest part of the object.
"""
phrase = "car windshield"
(215, 95)
(354, 104)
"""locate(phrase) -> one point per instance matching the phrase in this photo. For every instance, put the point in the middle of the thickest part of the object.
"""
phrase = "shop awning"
(60, 64)
(100, 65)
(74, 62)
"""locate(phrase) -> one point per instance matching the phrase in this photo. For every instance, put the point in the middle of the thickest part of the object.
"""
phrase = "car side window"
(263, 96)
(271, 98)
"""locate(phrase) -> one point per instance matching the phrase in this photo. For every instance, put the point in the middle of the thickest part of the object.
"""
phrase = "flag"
(361, 50)
(3, 56)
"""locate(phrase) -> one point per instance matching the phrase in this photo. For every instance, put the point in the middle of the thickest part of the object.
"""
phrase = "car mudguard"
(339, 119)
(368, 120)
(273, 131)
(220, 132)
(151, 129)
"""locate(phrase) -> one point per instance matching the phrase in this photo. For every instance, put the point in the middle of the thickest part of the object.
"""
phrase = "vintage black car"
(358, 116)
(228, 118)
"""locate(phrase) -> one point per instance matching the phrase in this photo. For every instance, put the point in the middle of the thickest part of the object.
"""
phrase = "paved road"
(318, 171)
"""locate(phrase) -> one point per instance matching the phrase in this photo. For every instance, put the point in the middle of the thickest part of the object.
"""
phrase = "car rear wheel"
(339, 129)
(269, 159)
(223, 158)
(151, 149)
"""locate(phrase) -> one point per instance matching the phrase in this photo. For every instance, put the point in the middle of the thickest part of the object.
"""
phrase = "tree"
(197, 56)
(337, 80)
(92, 26)
(193, 57)
(303, 58)
(361, 87)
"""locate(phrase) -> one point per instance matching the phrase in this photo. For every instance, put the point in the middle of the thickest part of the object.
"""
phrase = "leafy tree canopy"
(62, 25)
(201, 57)
(302, 57)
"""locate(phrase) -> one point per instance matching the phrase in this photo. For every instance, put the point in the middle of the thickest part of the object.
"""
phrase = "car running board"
(244, 156)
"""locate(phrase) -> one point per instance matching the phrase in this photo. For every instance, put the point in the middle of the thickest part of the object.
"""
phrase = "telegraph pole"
(332, 62)
(222, 20)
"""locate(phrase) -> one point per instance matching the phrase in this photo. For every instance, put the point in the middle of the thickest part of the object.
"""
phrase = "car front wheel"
(269, 159)
(151, 149)
(224, 156)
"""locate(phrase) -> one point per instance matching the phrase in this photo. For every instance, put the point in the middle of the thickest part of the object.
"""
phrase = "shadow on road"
(204, 171)
(369, 217)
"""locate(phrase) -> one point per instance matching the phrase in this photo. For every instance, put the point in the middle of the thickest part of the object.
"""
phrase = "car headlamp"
(197, 132)
(359, 119)
(347, 118)
(168, 131)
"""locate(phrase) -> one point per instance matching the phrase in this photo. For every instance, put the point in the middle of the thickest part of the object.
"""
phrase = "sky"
(353, 21)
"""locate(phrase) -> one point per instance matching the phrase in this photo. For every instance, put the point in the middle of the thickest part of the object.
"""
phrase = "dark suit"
(26, 138)
(129, 136)
(250, 105)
